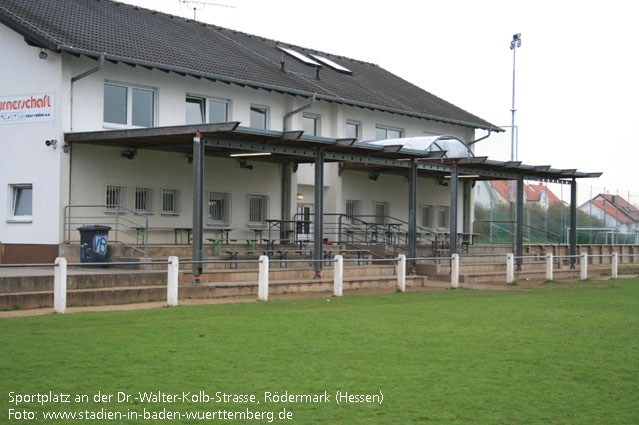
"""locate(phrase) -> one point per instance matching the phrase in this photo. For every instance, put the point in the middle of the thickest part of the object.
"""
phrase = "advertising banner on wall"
(28, 108)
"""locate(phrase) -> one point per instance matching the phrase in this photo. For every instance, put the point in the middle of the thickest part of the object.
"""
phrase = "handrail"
(115, 217)
(355, 220)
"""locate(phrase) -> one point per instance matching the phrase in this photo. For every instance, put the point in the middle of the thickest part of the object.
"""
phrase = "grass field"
(546, 356)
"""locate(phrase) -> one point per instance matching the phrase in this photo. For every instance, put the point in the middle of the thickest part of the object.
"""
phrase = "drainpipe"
(79, 77)
(480, 139)
(286, 195)
(297, 111)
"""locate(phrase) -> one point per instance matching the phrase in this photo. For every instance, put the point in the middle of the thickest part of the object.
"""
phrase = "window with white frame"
(114, 198)
(353, 130)
(127, 105)
(310, 124)
(259, 117)
(144, 199)
(219, 208)
(20, 202)
(427, 216)
(258, 210)
(170, 201)
(195, 110)
(384, 132)
(443, 216)
(352, 208)
(382, 211)
(201, 110)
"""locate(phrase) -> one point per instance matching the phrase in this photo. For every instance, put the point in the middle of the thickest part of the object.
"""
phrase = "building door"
(304, 217)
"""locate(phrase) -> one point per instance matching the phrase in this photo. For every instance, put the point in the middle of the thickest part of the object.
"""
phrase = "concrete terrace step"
(499, 277)
(111, 278)
(83, 279)
(294, 273)
(466, 267)
(121, 295)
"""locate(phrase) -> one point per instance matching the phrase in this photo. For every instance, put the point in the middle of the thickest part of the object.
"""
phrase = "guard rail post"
(454, 270)
(262, 291)
(584, 266)
(60, 285)
(401, 273)
(338, 276)
(510, 268)
(172, 281)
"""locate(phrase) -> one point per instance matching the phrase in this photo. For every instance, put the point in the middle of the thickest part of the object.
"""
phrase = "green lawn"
(547, 356)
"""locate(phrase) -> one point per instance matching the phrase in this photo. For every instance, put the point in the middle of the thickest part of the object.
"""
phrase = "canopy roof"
(448, 146)
(227, 139)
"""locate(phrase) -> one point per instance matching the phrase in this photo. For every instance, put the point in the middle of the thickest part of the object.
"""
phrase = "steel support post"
(319, 213)
(573, 222)
(519, 249)
(198, 205)
(454, 183)
(286, 199)
(412, 217)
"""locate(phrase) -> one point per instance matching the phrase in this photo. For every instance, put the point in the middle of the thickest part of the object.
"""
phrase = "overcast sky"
(577, 87)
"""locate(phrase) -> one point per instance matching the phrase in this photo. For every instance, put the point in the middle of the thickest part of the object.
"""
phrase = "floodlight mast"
(516, 42)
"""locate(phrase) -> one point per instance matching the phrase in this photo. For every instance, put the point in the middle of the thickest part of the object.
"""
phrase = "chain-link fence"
(605, 215)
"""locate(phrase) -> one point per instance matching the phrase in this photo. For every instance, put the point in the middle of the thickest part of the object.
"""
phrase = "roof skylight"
(300, 57)
(332, 64)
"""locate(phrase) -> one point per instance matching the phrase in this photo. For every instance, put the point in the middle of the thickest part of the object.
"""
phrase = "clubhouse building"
(181, 131)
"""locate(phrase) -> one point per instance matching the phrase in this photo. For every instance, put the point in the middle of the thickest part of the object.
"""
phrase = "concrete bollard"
(615, 265)
(510, 268)
(584, 266)
(172, 281)
(60, 285)
(262, 290)
(454, 271)
(549, 266)
(338, 276)
(401, 273)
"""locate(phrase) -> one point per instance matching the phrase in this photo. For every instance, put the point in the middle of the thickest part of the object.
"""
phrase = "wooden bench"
(250, 244)
(141, 233)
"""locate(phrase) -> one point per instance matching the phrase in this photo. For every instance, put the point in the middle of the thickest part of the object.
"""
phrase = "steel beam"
(319, 213)
(519, 248)
(573, 222)
(454, 183)
(198, 205)
(412, 217)
(312, 153)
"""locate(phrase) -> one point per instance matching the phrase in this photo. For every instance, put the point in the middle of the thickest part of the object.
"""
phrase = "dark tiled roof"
(134, 34)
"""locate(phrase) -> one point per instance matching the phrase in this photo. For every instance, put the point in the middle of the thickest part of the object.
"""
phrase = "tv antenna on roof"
(199, 5)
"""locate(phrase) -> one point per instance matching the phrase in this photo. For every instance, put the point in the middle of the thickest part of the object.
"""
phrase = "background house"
(614, 211)
(498, 192)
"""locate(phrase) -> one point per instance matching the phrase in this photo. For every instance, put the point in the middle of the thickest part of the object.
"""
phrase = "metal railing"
(126, 224)
(358, 230)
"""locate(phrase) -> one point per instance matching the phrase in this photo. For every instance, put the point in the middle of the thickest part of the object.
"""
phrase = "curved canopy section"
(450, 145)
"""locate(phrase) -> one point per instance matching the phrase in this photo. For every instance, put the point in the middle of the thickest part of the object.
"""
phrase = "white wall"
(157, 170)
(393, 189)
(24, 158)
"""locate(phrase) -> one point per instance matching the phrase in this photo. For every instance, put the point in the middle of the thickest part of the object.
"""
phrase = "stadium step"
(129, 294)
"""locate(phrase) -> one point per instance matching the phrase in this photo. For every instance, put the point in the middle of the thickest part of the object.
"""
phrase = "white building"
(79, 75)
(50, 44)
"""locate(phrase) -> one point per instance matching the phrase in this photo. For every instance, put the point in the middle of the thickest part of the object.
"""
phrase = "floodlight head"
(516, 41)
